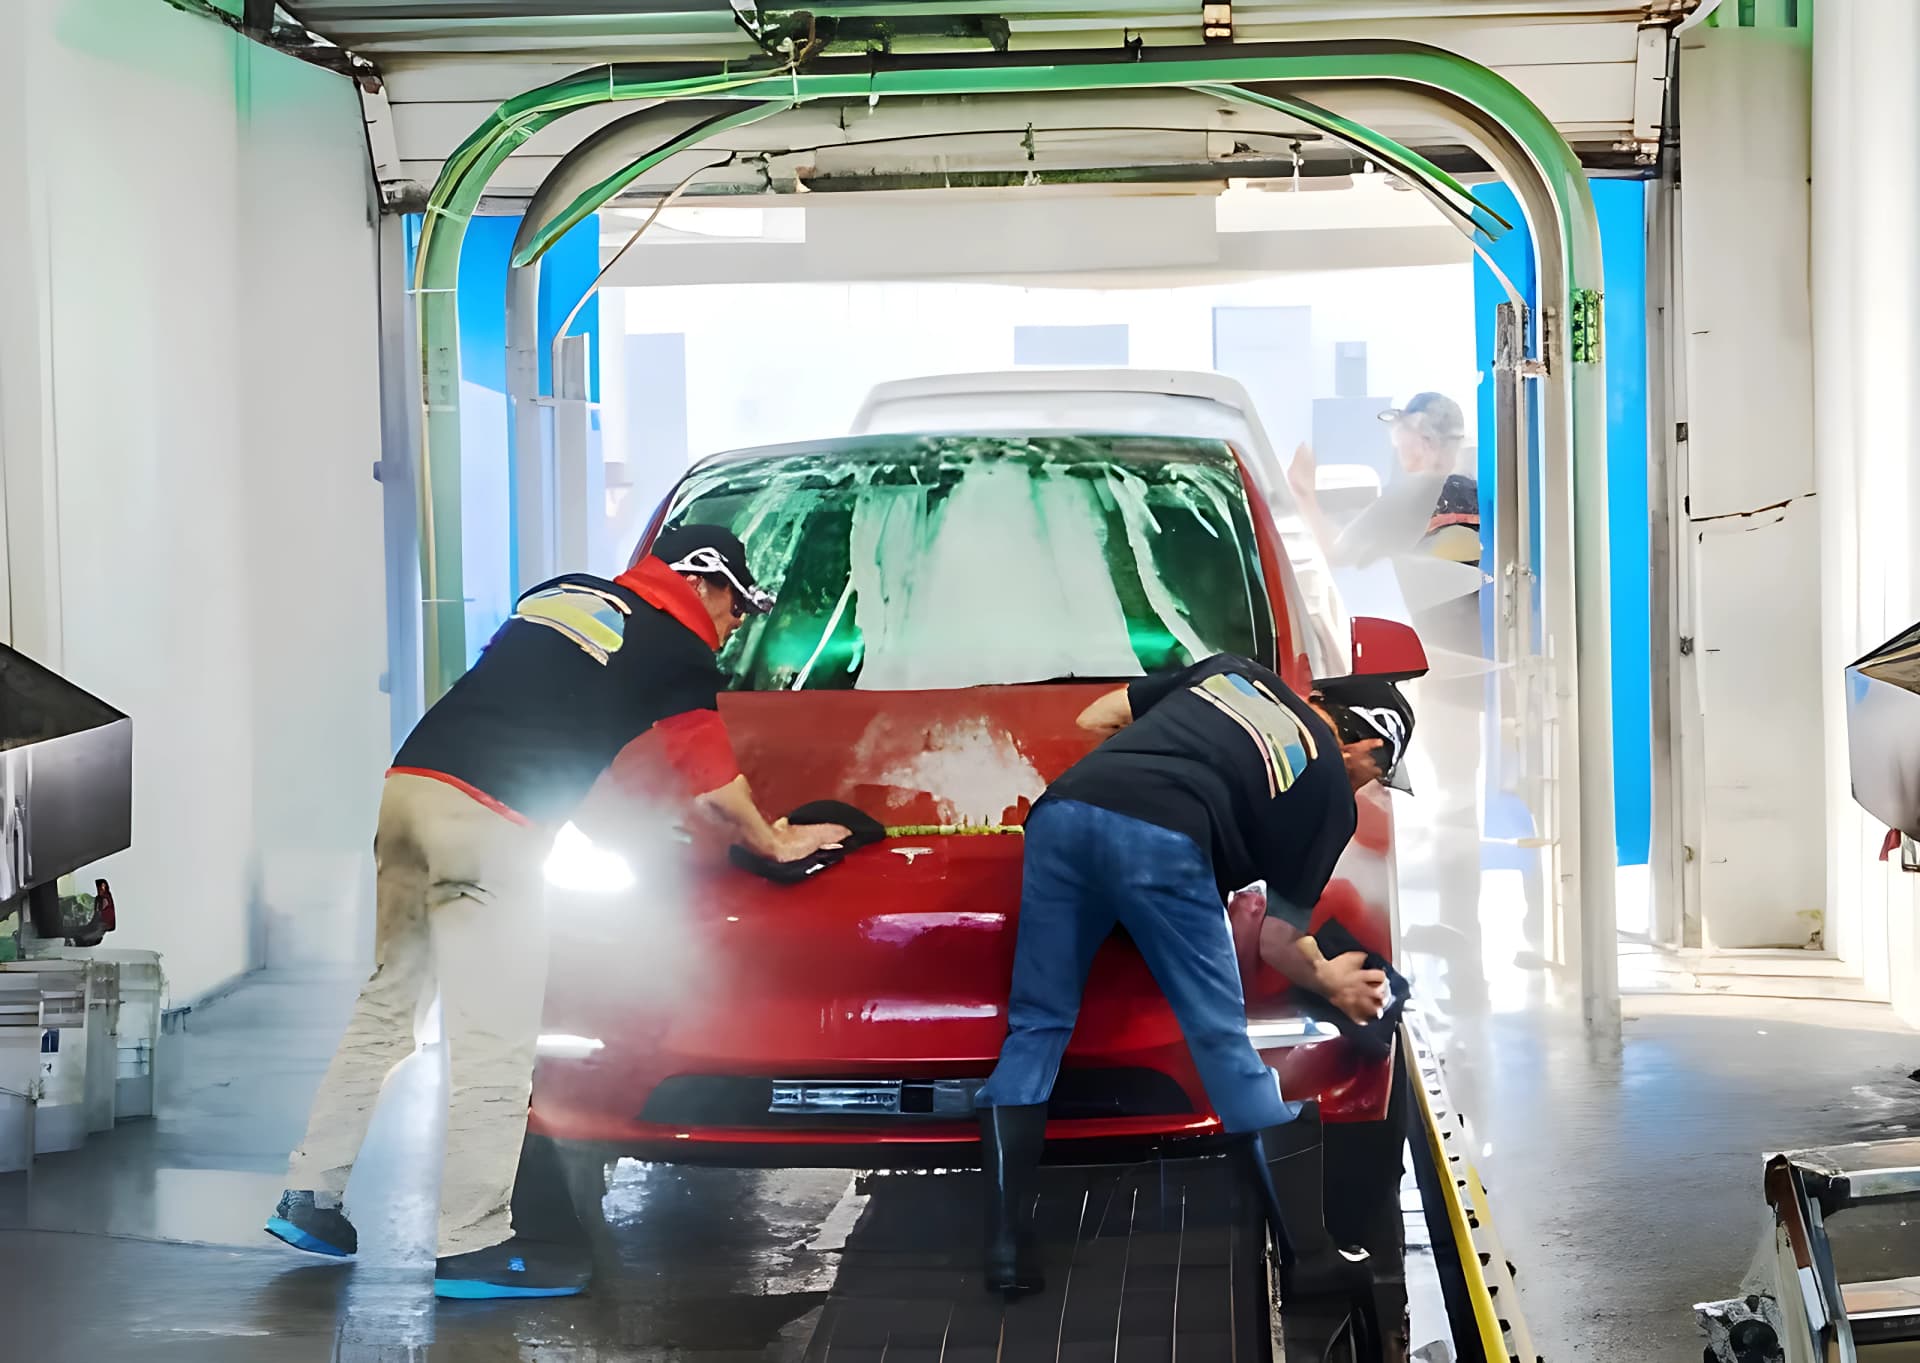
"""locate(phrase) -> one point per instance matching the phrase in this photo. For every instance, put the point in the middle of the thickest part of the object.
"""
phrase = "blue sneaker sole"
(281, 1229)
(468, 1289)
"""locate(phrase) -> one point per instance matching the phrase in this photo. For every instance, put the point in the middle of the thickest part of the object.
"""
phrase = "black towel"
(864, 829)
(1373, 1039)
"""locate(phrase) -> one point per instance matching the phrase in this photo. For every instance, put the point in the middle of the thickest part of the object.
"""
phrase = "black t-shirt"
(582, 668)
(1224, 753)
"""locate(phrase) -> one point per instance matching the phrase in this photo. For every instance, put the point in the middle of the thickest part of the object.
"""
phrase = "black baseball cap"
(1370, 707)
(713, 551)
(1435, 414)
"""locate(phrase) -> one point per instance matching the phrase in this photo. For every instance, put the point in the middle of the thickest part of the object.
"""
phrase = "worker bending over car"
(1211, 778)
(468, 816)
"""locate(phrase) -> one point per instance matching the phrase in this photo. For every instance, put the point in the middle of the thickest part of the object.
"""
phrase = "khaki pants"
(461, 904)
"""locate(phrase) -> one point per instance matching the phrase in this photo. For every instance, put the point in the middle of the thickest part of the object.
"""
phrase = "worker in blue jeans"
(1211, 778)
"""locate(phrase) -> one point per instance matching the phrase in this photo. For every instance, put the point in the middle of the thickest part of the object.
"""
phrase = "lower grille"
(692, 1100)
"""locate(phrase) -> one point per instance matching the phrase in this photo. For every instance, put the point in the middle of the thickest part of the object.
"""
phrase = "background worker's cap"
(1434, 415)
(1370, 707)
(713, 551)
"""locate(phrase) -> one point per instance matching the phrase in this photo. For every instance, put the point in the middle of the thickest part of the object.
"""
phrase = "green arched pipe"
(545, 223)
(464, 177)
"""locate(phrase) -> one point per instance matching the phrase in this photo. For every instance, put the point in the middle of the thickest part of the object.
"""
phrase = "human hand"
(1363, 767)
(1300, 473)
(1348, 985)
(797, 843)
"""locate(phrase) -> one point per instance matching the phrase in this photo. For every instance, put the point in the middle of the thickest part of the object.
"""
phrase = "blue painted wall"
(486, 482)
(1621, 205)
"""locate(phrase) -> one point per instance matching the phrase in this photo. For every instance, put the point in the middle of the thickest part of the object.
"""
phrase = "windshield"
(1093, 404)
(930, 562)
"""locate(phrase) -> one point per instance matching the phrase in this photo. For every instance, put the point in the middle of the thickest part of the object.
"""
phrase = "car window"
(929, 562)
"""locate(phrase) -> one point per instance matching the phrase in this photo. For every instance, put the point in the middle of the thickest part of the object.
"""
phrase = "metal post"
(529, 461)
(579, 480)
(399, 437)
(1666, 360)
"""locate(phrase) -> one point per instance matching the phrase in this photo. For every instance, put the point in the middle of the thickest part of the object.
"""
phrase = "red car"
(947, 605)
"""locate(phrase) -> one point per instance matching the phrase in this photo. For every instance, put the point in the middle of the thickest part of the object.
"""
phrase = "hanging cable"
(594, 287)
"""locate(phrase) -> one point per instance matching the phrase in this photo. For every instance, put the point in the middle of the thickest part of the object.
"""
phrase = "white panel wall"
(204, 518)
(1867, 422)
(1751, 526)
(312, 509)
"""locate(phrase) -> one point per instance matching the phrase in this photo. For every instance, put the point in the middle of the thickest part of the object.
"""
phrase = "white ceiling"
(448, 63)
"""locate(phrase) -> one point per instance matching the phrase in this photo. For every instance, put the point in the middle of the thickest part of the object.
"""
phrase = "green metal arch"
(1570, 328)
(465, 175)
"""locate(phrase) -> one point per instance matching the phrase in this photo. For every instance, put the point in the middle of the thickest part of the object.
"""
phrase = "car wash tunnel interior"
(1533, 372)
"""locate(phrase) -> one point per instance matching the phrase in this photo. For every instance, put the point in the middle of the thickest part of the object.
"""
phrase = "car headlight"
(578, 863)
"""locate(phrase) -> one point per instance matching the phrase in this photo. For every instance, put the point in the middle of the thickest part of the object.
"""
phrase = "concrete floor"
(1625, 1179)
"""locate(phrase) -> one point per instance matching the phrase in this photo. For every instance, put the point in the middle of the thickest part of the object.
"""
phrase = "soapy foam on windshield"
(990, 586)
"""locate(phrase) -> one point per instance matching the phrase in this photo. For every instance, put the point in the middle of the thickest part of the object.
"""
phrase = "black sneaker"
(317, 1230)
(515, 1268)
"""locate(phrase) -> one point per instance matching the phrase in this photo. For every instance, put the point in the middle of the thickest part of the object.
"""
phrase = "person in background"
(1431, 508)
(1209, 779)
(1428, 435)
(468, 816)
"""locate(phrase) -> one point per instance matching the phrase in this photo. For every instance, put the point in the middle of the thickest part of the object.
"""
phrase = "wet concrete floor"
(1625, 1178)
(1625, 1184)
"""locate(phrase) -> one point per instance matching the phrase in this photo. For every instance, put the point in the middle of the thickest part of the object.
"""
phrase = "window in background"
(1070, 345)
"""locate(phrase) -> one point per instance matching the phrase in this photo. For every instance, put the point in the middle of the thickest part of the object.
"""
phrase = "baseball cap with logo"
(713, 551)
(1434, 415)
(1368, 707)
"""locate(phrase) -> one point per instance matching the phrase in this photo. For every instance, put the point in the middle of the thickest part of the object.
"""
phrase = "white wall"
(198, 484)
(1866, 218)
(1751, 523)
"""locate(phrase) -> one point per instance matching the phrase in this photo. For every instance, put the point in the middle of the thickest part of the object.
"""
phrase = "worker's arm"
(698, 752)
(1344, 981)
(1117, 709)
(1306, 498)
(1108, 715)
(732, 808)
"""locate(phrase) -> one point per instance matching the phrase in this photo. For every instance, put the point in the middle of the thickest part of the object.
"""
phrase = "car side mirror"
(1387, 649)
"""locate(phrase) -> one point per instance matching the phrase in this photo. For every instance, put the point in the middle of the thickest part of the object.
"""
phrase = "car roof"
(859, 445)
(1192, 383)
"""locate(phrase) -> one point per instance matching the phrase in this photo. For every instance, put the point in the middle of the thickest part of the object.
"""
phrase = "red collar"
(659, 586)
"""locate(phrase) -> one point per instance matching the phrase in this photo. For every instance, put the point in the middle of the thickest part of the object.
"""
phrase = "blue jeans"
(1087, 869)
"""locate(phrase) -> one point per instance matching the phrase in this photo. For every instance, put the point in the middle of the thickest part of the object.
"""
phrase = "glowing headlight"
(575, 863)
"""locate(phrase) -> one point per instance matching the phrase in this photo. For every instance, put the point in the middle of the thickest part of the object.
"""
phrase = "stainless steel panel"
(66, 776)
(1883, 731)
(79, 799)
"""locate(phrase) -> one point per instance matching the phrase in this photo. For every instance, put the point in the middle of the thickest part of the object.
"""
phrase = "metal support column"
(400, 511)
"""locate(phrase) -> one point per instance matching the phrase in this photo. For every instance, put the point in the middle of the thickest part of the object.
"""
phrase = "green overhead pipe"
(472, 165)
(532, 244)
(463, 178)
(1452, 81)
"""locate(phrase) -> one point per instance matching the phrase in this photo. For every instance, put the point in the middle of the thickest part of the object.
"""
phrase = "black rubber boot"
(1281, 1168)
(1011, 1139)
